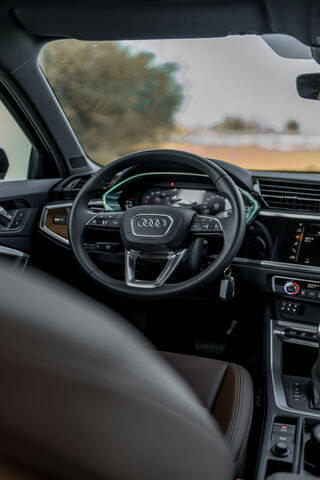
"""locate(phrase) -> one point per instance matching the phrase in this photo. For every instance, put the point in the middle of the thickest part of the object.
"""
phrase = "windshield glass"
(231, 98)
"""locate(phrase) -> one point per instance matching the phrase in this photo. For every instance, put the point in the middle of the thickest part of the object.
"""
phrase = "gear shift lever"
(315, 377)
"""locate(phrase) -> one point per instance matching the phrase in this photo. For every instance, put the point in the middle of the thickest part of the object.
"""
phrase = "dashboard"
(280, 239)
(284, 238)
(283, 228)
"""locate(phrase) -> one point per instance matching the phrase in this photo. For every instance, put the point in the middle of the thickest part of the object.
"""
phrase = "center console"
(291, 441)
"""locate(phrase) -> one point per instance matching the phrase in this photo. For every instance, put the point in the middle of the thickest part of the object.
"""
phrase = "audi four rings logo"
(145, 225)
(151, 222)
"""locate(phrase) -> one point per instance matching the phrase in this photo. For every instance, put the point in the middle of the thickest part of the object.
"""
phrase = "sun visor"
(103, 20)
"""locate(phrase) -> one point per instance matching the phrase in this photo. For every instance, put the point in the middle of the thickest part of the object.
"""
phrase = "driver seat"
(85, 397)
(225, 389)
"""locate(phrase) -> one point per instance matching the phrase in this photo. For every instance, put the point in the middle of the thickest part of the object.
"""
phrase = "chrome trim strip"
(43, 219)
(275, 213)
(286, 266)
(131, 257)
(11, 252)
(20, 256)
(300, 328)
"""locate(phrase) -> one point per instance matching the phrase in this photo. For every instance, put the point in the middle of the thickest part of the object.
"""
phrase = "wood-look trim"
(58, 232)
(61, 230)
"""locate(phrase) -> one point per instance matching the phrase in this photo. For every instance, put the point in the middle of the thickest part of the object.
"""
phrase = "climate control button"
(291, 288)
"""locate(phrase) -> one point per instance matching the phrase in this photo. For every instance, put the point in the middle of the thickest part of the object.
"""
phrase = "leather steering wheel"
(156, 232)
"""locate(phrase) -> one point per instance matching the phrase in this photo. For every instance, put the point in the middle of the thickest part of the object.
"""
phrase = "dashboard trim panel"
(43, 220)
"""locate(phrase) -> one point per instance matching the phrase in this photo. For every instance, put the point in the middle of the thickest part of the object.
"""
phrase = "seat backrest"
(84, 396)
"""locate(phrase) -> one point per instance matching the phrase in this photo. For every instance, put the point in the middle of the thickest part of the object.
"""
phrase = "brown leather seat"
(225, 389)
(85, 397)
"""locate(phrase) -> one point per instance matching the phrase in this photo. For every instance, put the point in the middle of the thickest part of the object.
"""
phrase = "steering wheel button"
(205, 226)
(196, 227)
(114, 223)
(212, 227)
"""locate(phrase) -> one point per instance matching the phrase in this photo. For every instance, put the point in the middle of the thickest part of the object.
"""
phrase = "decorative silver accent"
(43, 219)
(282, 326)
(172, 261)
(150, 220)
(286, 266)
(275, 213)
(22, 257)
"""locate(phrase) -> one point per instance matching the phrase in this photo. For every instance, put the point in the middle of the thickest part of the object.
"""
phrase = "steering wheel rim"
(233, 226)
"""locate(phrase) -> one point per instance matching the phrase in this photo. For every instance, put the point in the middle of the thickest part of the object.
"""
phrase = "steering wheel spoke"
(171, 259)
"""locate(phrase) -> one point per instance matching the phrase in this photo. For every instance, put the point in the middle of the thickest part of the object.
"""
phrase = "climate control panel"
(296, 288)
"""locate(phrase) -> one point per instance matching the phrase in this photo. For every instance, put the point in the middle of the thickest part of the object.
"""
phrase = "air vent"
(73, 187)
(285, 195)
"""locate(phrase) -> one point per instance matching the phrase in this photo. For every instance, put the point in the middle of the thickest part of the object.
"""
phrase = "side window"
(15, 148)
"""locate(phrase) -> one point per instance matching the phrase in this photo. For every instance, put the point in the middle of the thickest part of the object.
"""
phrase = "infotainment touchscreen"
(302, 245)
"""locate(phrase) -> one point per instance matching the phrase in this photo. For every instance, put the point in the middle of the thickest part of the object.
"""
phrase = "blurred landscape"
(250, 146)
(119, 100)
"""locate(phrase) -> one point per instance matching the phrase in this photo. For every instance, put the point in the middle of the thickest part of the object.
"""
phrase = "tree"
(116, 101)
(237, 125)
(292, 126)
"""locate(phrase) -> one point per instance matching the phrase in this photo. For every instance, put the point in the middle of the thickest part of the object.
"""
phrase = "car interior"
(159, 239)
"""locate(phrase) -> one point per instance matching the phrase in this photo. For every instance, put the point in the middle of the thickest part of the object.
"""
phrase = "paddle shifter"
(315, 377)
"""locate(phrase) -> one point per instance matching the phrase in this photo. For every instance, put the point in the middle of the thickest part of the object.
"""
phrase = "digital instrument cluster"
(202, 201)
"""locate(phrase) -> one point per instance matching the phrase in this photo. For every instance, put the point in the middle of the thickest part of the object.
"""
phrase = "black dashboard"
(282, 216)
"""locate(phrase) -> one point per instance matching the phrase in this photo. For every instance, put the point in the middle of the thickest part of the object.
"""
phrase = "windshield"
(231, 98)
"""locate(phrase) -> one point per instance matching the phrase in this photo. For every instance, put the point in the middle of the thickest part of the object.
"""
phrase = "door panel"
(23, 201)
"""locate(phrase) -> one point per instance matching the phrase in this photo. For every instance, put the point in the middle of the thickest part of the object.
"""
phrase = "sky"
(236, 76)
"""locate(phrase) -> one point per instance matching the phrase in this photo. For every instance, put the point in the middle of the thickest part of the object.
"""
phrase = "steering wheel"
(157, 233)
